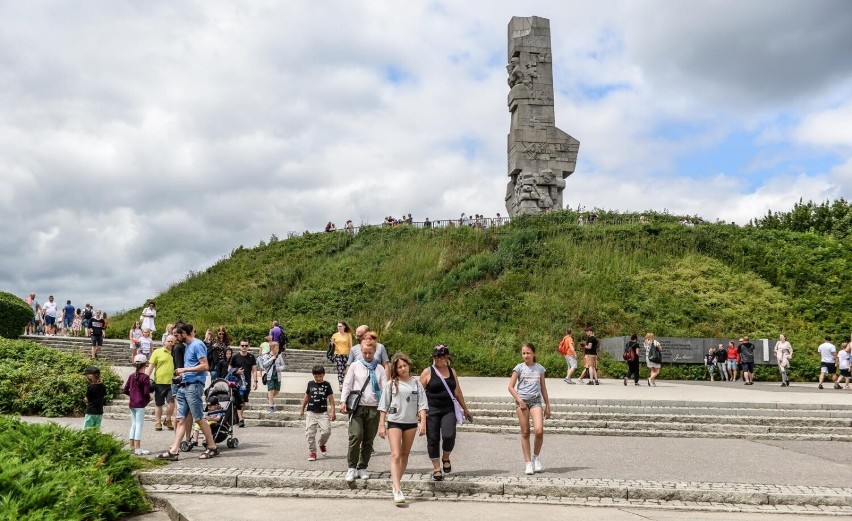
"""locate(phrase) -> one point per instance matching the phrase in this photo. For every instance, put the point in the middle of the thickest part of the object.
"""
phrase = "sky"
(140, 141)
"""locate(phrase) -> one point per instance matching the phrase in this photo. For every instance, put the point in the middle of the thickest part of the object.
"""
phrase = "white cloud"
(140, 141)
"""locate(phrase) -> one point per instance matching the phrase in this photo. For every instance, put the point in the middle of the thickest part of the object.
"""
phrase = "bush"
(36, 379)
(14, 315)
(50, 472)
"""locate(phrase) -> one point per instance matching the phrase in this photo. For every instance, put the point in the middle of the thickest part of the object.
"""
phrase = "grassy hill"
(484, 292)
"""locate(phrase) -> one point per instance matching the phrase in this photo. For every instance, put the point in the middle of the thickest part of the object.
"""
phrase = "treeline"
(827, 218)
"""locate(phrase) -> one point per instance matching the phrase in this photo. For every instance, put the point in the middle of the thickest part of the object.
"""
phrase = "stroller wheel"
(230, 444)
(234, 443)
(185, 446)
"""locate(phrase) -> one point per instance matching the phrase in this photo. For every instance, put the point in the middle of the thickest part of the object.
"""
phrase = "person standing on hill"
(783, 354)
(631, 355)
(746, 351)
(828, 361)
(566, 349)
(148, 316)
(342, 341)
(653, 357)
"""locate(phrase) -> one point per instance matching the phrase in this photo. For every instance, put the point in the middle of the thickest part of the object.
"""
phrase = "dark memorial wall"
(690, 350)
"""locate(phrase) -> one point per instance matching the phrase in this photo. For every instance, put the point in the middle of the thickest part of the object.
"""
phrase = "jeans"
(722, 370)
(440, 427)
(137, 417)
(362, 431)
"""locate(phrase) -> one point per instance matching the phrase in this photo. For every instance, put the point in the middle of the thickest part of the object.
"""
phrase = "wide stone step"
(492, 488)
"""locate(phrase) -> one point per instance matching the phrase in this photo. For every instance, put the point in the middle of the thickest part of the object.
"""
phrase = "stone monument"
(541, 156)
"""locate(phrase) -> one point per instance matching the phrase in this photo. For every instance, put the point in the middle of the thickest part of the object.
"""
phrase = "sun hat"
(140, 359)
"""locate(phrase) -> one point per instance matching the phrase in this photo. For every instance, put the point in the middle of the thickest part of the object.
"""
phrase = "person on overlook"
(68, 315)
(49, 310)
(77, 324)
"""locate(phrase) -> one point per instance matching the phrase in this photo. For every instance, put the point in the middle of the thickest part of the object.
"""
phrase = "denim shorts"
(732, 363)
(531, 403)
(571, 361)
(189, 401)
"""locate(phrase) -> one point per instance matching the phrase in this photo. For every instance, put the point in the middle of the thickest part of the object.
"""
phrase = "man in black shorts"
(746, 350)
(245, 364)
(97, 325)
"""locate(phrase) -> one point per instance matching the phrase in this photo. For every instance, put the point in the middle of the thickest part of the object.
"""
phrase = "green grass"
(485, 292)
(51, 473)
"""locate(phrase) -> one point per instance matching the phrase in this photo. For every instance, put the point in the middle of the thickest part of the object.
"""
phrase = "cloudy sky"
(141, 140)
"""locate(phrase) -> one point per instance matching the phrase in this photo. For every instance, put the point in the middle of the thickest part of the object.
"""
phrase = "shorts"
(748, 367)
(189, 400)
(86, 322)
(845, 373)
(163, 394)
(571, 361)
(826, 367)
(531, 403)
(97, 340)
(273, 384)
(49, 320)
(244, 395)
(403, 426)
(732, 363)
(653, 365)
(92, 421)
(68, 322)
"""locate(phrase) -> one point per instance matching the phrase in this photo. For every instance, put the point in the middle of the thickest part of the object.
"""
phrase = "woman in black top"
(441, 418)
(632, 350)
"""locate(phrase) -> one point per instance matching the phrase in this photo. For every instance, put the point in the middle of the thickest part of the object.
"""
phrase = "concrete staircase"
(813, 422)
(117, 352)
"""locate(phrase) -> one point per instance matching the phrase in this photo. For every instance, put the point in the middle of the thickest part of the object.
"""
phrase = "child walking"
(403, 405)
(138, 388)
(146, 344)
(95, 394)
(528, 389)
(319, 400)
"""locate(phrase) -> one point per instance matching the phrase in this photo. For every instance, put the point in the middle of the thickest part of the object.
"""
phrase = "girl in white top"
(528, 388)
(148, 315)
(403, 404)
(783, 353)
(135, 335)
(845, 359)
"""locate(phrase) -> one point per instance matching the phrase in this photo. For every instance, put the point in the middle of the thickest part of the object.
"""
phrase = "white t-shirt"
(404, 406)
(845, 359)
(827, 351)
(529, 380)
(49, 309)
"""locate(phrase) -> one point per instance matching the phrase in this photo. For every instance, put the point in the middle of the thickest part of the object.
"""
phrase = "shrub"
(36, 379)
(14, 315)
(50, 472)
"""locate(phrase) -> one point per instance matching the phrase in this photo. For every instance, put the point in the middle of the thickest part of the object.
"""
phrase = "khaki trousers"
(362, 431)
(317, 421)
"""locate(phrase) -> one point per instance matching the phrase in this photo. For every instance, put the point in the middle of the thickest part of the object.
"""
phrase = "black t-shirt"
(746, 350)
(88, 314)
(95, 395)
(721, 355)
(318, 396)
(97, 325)
(177, 354)
(592, 346)
(247, 362)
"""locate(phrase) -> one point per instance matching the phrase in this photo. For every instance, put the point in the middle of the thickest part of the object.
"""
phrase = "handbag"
(329, 353)
(354, 398)
(456, 406)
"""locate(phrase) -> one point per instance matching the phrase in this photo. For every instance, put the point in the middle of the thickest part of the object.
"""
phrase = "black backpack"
(654, 354)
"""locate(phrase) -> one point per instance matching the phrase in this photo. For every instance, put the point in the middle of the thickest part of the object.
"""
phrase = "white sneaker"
(363, 474)
(537, 466)
(142, 452)
(398, 498)
(528, 470)
(350, 475)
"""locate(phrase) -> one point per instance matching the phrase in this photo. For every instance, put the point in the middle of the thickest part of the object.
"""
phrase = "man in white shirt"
(50, 316)
(828, 362)
(367, 377)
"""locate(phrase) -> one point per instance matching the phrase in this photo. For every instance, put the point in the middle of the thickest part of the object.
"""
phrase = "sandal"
(209, 453)
(168, 456)
(447, 466)
(437, 476)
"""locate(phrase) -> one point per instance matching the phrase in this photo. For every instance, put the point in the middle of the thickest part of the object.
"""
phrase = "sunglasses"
(244, 345)
(370, 337)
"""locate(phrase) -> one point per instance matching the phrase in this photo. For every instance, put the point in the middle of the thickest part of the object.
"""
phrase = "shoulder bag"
(456, 406)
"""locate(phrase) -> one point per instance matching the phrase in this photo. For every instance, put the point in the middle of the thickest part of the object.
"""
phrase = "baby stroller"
(221, 397)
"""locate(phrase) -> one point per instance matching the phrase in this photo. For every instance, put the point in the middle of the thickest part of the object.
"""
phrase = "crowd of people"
(473, 221)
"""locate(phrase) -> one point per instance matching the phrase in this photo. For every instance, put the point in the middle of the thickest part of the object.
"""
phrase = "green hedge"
(50, 472)
(36, 379)
(14, 315)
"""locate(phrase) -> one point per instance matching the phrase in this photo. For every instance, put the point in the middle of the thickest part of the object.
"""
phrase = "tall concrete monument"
(541, 156)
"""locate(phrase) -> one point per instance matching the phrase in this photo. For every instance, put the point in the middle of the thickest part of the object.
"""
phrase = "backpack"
(654, 354)
(629, 353)
(563, 347)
